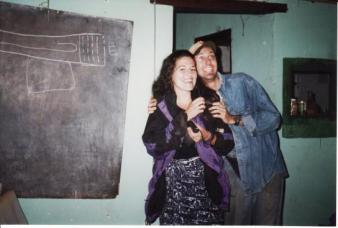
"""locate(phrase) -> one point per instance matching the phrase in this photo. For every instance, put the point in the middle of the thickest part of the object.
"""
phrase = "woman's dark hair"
(163, 83)
(201, 90)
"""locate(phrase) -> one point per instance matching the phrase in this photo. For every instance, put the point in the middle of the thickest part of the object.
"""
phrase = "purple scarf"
(206, 154)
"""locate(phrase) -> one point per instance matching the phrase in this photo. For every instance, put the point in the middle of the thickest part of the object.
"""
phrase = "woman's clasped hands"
(195, 108)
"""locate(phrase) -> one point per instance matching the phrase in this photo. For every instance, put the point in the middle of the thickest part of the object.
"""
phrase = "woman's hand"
(152, 105)
(218, 110)
(206, 135)
(196, 137)
(202, 134)
(196, 107)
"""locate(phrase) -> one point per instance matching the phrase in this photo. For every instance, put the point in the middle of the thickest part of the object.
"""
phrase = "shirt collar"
(219, 76)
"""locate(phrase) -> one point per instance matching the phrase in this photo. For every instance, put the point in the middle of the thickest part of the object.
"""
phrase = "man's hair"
(209, 44)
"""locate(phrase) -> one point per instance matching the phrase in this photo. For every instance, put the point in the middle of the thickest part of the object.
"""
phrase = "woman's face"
(184, 75)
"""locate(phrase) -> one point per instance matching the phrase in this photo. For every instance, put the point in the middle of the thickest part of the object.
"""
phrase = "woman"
(188, 186)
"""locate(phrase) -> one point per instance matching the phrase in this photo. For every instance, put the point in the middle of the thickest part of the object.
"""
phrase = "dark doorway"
(223, 41)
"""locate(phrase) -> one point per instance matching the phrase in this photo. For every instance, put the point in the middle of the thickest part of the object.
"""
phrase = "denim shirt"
(256, 142)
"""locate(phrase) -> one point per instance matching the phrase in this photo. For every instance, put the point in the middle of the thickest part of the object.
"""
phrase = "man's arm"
(265, 117)
(152, 105)
(258, 113)
(219, 110)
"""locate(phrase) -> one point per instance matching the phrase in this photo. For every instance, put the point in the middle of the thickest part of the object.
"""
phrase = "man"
(257, 188)
(255, 167)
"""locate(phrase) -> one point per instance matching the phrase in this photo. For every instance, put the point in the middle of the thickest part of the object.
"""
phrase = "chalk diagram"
(50, 58)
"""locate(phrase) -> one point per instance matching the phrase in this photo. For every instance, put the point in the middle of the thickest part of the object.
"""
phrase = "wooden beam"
(223, 6)
(323, 1)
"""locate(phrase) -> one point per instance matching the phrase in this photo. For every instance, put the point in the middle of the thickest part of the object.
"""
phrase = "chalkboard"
(63, 94)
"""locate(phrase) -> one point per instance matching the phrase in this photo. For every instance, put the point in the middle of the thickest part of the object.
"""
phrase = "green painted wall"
(259, 44)
(308, 30)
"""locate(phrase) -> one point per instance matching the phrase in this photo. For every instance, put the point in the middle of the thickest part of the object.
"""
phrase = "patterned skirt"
(187, 201)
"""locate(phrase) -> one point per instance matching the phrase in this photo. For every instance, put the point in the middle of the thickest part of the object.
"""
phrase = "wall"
(259, 44)
(127, 208)
(308, 30)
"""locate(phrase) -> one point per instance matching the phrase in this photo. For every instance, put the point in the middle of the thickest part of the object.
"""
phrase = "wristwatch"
(237, 120)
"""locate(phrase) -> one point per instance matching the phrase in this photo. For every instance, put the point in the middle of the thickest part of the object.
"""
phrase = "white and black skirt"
(187, 201)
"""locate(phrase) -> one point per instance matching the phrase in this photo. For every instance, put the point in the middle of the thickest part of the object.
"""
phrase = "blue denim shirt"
(256, 142)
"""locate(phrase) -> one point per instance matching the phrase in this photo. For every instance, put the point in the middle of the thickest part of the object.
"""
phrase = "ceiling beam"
(323, 1)
(223, 6)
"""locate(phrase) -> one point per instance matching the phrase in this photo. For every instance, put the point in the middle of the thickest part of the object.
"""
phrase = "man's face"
(206, 64)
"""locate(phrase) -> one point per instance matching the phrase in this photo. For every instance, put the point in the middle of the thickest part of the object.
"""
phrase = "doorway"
(222, 39)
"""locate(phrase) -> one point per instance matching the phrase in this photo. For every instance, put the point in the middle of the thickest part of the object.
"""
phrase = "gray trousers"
(262, 208)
